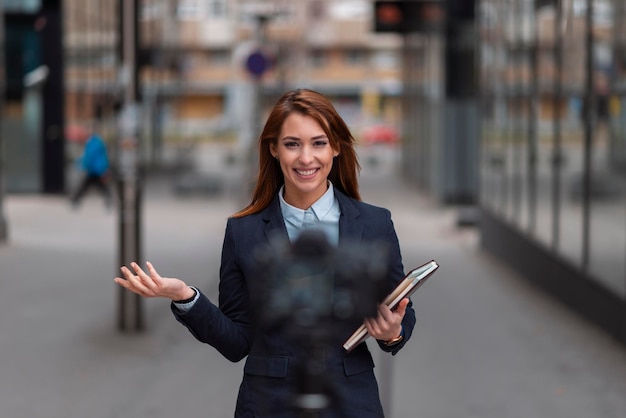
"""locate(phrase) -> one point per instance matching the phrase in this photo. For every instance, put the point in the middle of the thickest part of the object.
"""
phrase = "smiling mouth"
(307, 172)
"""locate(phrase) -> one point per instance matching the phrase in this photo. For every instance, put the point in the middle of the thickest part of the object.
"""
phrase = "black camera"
(312, 292)
(309, 285)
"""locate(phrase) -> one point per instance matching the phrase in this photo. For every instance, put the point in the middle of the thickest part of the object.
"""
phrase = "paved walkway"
(487, 344)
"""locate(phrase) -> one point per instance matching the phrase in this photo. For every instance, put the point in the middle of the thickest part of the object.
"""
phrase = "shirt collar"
(320, 208)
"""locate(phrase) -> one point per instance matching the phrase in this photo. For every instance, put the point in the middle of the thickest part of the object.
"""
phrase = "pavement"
(487, 343)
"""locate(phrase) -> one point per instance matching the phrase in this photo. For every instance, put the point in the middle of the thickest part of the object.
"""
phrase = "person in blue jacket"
(307, 176)
(95, 164)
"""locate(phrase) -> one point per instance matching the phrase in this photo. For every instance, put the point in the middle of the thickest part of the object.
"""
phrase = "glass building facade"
(544, 160)
(552, 168)
(32, 118)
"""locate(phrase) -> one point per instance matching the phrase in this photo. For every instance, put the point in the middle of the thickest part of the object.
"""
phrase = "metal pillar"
(3, 223)
(460, 131)
(52, 142)
(130, 310)
(252, 125)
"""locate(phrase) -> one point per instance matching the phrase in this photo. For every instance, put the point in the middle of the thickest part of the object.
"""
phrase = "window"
(25, 6)
(189, 10)
(386, 60)
(318, 58)
(217, 8)
(355, 57)
(219, 58)
(201, 9)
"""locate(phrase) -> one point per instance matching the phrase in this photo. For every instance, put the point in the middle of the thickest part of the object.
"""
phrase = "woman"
(307, 174)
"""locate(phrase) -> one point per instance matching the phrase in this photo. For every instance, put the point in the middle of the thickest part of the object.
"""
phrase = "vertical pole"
(254, 123)
(262, 21)
(52, 143)
(3, 223)
(130, 313)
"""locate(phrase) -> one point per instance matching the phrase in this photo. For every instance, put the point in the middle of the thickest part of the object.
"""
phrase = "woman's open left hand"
(151, 284)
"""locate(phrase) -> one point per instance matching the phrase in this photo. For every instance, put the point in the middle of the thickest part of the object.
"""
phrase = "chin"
(308, 188)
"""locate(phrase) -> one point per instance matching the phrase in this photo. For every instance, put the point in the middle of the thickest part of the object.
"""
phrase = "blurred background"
(509, 111)
(511, 107)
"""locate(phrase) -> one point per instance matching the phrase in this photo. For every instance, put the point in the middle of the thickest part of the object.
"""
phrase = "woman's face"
(306, 158)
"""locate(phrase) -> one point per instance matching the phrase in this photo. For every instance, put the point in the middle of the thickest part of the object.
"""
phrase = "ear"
(273, 150)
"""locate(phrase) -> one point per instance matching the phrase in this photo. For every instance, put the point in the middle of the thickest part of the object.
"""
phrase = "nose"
(306, 154)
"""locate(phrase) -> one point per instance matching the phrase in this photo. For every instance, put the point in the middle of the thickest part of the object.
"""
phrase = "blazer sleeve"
(397, 274)
(227, 328)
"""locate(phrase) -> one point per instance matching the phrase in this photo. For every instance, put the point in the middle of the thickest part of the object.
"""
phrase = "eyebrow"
(322, 136)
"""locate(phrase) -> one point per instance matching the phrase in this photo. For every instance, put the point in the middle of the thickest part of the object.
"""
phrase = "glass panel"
(489, 82)
(525, 130)
(22, 6)
(410, 106)
(517, 40)
(549, 109)
(496, 77)
(434, 91)
(573, 84)
(22, 114)
(607, 260)
(423, 91)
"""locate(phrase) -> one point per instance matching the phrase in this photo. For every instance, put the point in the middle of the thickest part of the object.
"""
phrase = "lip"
(310, 172)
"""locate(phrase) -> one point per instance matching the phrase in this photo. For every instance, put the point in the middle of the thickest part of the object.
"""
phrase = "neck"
(302, 200)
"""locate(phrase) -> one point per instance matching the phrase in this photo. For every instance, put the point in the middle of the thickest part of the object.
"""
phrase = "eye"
(290, 144)
(320, 143)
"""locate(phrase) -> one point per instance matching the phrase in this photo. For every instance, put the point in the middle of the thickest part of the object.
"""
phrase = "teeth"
(305, 172)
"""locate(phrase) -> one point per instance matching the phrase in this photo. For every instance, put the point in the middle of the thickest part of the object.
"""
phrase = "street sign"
(258, 62)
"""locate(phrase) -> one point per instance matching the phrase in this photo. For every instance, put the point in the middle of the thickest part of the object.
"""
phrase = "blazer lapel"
(274, 223)
(350, 227)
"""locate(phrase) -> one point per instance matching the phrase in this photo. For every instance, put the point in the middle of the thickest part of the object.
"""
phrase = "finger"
(133, 283)
(370, 323)
(126, 284)
(121, 282)
(139, 271)
(156, 277)
(130, 280)
(379, 324)
(401, 309)
(384, 313)
(145, 280)
(126, 272)
(372, 327)
(159, 283)
(387, 319)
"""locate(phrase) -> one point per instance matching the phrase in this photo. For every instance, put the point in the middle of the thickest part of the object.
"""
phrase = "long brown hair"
(270, 178)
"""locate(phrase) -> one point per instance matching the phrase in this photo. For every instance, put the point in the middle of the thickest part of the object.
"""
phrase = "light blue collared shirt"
(323, 215)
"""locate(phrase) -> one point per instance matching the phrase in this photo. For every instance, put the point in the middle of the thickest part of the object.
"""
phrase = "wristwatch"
(394, 341)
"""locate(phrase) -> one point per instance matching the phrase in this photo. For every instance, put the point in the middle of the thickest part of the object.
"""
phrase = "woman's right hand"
(152, 285)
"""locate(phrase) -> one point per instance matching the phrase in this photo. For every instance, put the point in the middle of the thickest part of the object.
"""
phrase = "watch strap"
(394, 341)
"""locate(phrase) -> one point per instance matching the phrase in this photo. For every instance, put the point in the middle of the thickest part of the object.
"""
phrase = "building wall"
(193, 49)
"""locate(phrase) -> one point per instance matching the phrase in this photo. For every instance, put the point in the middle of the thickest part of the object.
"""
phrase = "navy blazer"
(270, 372)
